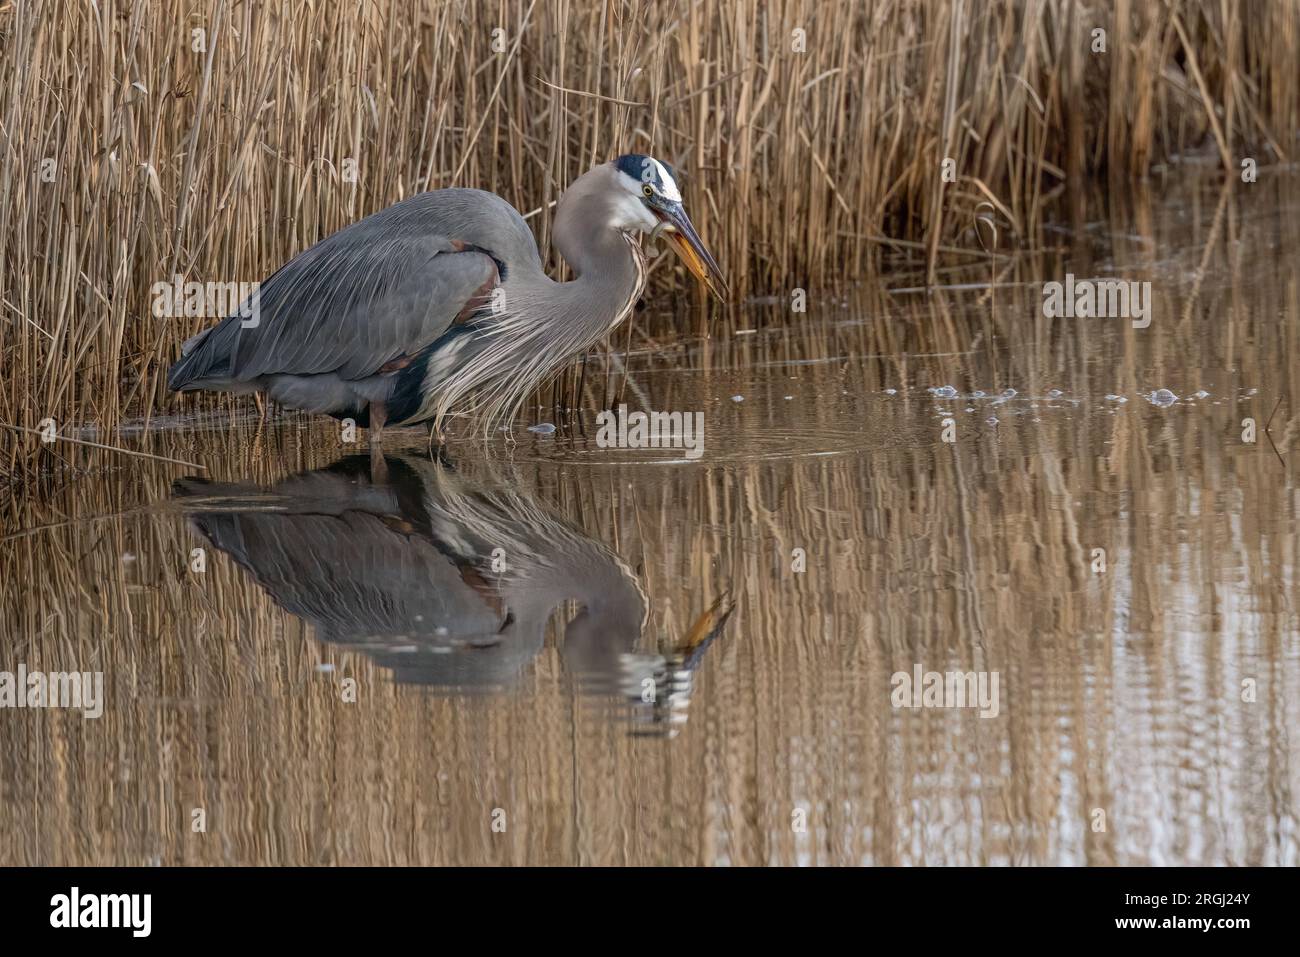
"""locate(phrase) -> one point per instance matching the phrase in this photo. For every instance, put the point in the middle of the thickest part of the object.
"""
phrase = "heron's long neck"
(544, 322)
(610, 273)
(613, 606)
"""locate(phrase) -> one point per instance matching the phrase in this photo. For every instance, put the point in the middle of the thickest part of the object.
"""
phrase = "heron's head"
(652, 202)
(633, 194)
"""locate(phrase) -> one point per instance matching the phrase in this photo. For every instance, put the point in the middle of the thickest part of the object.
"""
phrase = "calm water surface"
(379, 663)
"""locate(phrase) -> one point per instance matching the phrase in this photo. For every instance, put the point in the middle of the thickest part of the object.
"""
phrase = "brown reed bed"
(147, 140)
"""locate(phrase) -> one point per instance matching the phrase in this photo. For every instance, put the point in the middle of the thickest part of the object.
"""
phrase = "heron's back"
(366, 299)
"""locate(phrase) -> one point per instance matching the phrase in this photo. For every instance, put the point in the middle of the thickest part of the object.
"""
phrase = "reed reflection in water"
(1121, 690)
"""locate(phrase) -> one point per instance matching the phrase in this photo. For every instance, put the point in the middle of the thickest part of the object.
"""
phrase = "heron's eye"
(648, 189)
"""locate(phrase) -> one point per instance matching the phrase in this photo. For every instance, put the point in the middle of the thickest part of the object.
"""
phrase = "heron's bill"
(686, 242)
(708, 623)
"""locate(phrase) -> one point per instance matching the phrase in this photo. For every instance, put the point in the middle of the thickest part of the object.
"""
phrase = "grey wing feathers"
(387, 286)
(408, 587)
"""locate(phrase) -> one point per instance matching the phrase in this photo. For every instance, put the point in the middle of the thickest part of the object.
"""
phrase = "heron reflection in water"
(447, 584)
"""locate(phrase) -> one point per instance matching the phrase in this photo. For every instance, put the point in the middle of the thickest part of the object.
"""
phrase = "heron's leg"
(436, 435)
(378, 416)
(378, 467)
(263, 405)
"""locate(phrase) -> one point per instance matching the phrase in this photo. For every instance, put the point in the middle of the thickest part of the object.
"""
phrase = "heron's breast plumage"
(639, 263)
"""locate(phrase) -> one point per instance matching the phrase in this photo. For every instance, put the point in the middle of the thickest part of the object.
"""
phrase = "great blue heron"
(449, 583)
(411, 311)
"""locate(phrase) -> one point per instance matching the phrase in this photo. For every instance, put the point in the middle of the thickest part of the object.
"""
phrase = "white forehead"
(669, 188)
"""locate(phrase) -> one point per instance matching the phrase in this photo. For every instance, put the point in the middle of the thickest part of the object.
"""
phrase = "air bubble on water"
(1162, 398)
(737, 398)
(1055, 394)
(1200, 394)
(891, 392)
(970, 408)
(788, 398)
(542, 428)
(1008, 393)
(944, 392)
(992, 420)
(977, 394)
